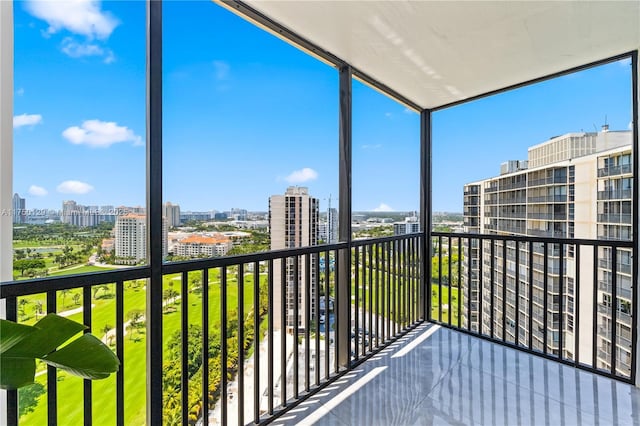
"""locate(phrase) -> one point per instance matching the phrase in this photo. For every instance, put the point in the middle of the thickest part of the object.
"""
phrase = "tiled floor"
(436, 376)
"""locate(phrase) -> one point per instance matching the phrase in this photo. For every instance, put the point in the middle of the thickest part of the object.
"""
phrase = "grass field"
(70, 409)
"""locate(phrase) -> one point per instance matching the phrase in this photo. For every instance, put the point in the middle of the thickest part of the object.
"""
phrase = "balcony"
(615, 170)
(374, 331)
(399, 337)
(621, 194)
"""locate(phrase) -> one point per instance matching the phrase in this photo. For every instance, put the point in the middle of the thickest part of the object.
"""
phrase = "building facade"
(572, 186)
(131, 245)
(203, 246)
(293, 222)
(172, 214)
(19, 210)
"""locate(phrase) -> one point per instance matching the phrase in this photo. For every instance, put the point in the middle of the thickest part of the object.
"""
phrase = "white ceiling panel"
(438, 52)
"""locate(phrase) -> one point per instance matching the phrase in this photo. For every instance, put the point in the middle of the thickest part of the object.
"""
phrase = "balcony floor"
(438, 376)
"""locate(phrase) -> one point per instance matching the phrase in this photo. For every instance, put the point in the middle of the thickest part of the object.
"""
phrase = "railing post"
(343, 308)
(154, 211)
(6, 172)
(425, 214)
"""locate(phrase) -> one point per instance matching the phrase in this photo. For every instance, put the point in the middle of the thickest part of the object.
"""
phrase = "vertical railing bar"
(594, 339)
(377, 247)
(530, 271)
(361, 311)
(270, 315)
(439, 278)
(517, 294)
(52, 377)
(11, 311)
(256, 342)
(317, 315)
(184, 329)
(284, 313)
(241, 348)
(327, 321)
(546, 294)
(576, 307)
(307, 318)
(364, 302)
(296, 325)
(119, 352)
(356, 326)
(338, 318)
(87, 388)
(469, 283)
(388, 294)
(384, 294)
(370, 293)
(614, 309)
(492, 276)
(460, 282)
(412, 274)
(504, 290)
(205, 343)
(561, 303)
(450, 279)
(481, 286)
(396, 284)
(223, 344)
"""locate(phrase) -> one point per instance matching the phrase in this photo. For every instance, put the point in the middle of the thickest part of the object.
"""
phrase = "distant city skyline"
(246, 115)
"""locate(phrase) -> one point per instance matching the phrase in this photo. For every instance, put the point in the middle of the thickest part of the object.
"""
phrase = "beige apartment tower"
(293, 222)
(573, 186)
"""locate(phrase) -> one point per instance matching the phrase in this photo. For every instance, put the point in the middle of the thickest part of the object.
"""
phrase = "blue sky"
(246, 115)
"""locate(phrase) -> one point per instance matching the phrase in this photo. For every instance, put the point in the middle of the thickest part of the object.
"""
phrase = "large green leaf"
(16, 372)
(86, 357)
(50, 332)
(11, 334)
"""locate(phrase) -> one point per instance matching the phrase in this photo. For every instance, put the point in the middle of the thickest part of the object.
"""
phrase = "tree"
(28, 398)
(24, 264)
(64, 294)
(23, 303)
(37, 309)
(76, 298)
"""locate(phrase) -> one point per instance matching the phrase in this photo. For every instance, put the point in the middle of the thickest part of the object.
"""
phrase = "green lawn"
(70, 388)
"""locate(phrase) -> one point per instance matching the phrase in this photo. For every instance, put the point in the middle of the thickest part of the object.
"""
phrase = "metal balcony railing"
(615, 218)
(221, 313)
(545, 308)
(621, 194)
(615, 170)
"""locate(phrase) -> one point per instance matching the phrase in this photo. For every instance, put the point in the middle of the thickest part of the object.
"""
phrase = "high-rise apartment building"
(293, 222)
(573, 186)
(19, 209)
(172, 214)
(131, 244)
(411, 225)
(328, 228)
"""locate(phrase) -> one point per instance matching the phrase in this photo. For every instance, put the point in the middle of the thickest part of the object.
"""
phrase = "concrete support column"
(343, 299)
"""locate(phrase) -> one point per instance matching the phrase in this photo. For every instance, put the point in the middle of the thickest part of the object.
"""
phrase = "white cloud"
(83, 17)
(74, 187)
(302, 175)
(222, 69)
(26, 120)
(75, 49)
(383, 208)
(388, 114)
(372, 146)
(631, 125)
(20, 92)
(37, 191)
(103, 134)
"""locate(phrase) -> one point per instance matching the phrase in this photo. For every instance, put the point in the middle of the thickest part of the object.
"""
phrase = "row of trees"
(172, 365)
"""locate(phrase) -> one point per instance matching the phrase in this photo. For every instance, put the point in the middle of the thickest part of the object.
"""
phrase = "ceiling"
(435, 53)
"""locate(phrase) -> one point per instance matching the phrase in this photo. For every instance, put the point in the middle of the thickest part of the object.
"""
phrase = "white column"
(6, 158)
